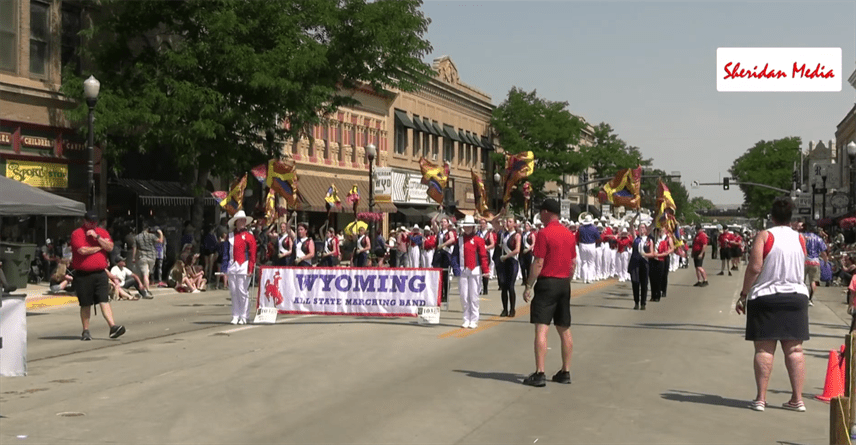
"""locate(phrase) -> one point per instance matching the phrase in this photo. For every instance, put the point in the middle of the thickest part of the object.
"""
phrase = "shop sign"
(407, 188)
(73, 146)
(36, 142)
(38, 174)
(5, 138)
(383, 184)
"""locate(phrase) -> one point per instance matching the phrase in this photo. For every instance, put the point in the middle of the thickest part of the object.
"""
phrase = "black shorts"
(725, 253)
(552, 302)
(777, 317)
(91, 287)
(736, 252)
(698, 261)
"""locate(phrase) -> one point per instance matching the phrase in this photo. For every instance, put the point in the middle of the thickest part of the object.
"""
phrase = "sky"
(649, 70)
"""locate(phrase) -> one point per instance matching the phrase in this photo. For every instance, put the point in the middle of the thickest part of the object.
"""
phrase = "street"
(679, 372)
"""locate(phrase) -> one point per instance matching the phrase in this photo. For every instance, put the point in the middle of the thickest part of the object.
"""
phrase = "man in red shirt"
(90, 246)
(554, 251)
(725, 249)
(699, 244)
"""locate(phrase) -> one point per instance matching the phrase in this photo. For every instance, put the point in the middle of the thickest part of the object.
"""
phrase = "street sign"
(802, 202)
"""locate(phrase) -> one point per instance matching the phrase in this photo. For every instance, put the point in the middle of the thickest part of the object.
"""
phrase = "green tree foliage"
(770, 163)
(526, 122)
(609, 153)
(213, 80)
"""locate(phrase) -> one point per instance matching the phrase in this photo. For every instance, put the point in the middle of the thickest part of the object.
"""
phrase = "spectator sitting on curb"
(127, 278)
(116, 290)
(195, 273)
(61, 280)
(179, 277)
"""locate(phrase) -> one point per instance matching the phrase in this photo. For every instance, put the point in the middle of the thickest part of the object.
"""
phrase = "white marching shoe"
(234, 320)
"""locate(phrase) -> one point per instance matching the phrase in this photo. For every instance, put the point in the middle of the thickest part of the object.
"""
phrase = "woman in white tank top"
(775, 301)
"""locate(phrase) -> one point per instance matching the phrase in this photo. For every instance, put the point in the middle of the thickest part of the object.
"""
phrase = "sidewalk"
(39, 296)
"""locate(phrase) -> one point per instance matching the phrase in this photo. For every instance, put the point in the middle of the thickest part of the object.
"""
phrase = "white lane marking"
(252, 326)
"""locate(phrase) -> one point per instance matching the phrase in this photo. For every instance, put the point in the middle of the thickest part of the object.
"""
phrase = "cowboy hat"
(587, 221)
(415, 229)
(468, 221)
(427, 228)
(239, 215)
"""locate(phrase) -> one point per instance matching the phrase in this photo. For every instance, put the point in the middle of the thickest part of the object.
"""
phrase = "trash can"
(16, 259)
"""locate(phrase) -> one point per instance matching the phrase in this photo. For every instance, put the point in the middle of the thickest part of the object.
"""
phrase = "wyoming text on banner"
(378, 292)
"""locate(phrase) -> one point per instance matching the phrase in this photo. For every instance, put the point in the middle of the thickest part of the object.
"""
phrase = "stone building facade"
(37, 144)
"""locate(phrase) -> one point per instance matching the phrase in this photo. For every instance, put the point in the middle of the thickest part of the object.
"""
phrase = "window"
(426, 145)
(312, 140)
(340, 135)
(400, 138)
(417, 137)
(461, 148)
(470, 154)
(484, 156)
(325, 134)
(8, 35)
(39, 37)
(447, 149)
(436, 146)
(70, 37)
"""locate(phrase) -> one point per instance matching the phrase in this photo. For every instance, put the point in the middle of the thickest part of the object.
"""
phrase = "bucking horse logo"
(272, 292)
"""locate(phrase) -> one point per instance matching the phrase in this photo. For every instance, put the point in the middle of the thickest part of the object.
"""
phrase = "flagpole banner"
(376, 292)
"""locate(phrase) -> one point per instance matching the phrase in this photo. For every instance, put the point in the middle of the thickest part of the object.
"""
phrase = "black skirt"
(777, 317)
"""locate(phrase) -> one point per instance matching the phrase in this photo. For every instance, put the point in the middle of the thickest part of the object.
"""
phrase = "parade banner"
(376, 292)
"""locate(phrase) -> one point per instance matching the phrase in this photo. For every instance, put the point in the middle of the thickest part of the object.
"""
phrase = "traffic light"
(725, 184)
(796, 177)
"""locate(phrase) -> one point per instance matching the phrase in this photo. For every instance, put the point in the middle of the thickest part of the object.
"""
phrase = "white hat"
(402, 229)
(239, 215)
(427, 228)
(415, 229)
(587, 221)
(47, 241)
(468, 221)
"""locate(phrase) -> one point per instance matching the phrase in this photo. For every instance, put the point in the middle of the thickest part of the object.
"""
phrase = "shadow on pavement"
(501, 376)
(674, 327)
(30, 314)
(603, 306)
(707, 399)
(62, 337)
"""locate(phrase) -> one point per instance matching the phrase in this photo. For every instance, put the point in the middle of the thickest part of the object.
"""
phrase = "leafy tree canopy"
(770, 163)
(526, 122)
(212, 79)
(609, 153)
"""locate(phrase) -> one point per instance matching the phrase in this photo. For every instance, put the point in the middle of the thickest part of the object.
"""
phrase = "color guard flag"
(435, 178)
(235, 200)
(270, 206)
(282, 179)
(623, 189)
(479, 194)
(517, 168)
(260, 172)
(332, 198)
(665, 216)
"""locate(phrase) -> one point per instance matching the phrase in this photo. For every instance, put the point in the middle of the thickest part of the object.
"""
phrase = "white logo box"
(778, 69)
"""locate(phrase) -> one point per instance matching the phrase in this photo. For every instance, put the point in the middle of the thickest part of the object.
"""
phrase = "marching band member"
(415, 249)
(486, 233)
(527, 238)
(508, 268)
(588, 236)
(446, 238)
(623, 253)
(331, 255)
(242, 263)
(429, 243)
(304, 246)
(473, 260)
(361, 250)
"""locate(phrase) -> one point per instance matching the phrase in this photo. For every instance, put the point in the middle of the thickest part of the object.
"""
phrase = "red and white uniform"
(242, 263)
(473, 261)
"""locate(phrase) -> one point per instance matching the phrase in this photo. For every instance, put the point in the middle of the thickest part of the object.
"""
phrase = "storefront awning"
(424, 212)
(451, 133)
(486, 143)
(313, 190)
(429, 127)
(161, 193)
(419, 126)
(401, 116)
(438, 130)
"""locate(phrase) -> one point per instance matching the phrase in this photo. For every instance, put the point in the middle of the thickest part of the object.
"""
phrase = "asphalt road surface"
(679, 372)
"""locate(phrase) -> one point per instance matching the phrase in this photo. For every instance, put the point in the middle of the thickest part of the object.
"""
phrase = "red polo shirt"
(88, 263)
(558, 247)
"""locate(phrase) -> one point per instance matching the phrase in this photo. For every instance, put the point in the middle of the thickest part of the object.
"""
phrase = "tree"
(526, 122)
(214, 80)
(694, 205)
(609, 154)
(770, 163)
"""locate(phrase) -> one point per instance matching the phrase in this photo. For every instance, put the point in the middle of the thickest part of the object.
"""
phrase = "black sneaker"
(537, 379)
(147, 294)
(504, 313)
(86, 336)
(704, 284)
(698, 284)
(562, 377)
(116, 331)
(636, 307)
(512, 314)
(723, 273)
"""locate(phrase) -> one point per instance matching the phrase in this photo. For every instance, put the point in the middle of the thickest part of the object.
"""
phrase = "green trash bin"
(16, 259)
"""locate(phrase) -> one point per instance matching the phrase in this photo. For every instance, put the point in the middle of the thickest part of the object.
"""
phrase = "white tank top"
(784, 267)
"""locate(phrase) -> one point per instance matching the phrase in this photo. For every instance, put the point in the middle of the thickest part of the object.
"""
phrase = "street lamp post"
(371, 153)
(496, 179)
(91, 87)
(851, 152)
